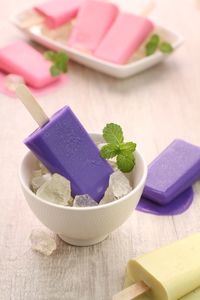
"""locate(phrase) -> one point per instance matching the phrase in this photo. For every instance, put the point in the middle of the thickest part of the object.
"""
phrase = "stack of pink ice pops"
(100, 27)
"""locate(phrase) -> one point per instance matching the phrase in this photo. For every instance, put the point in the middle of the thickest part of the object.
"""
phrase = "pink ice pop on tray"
(21, 59)
(124, 37)
(58, 12)
(93, 21)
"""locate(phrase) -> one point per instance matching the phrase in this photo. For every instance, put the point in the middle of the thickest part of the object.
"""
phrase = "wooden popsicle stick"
(145, 12)
(132, 291)
(128, 6)
(31, 105)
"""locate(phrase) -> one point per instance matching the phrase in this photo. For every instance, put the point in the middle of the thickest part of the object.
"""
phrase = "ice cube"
(56, 190)
(36, 173)
(70, 202)
(42, 242)
(38, 181)
(12, 81)
(119, 184)
(108, 196)
(43, 169)
(84, 201)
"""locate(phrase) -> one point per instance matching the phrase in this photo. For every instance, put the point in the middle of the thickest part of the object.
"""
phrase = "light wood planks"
(153, 108)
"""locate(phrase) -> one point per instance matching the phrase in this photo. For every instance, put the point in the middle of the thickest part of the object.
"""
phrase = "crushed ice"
(57, 189)
(84, 201)
(42, 242)
(119, 184)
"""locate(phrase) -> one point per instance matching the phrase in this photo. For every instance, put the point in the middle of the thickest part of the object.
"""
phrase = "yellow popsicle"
(171, 273)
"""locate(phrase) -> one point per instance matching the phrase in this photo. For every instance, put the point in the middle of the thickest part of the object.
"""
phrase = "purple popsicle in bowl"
(64, 147)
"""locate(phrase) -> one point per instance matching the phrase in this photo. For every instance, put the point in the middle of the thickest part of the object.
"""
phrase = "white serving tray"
(138, 63)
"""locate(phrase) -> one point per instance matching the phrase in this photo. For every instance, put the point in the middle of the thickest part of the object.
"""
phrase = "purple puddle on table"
(179, 205)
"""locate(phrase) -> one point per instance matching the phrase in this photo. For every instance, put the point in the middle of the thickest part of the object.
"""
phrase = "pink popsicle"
(58, 12)
(125, 36)
(93, 21)
(21, 59)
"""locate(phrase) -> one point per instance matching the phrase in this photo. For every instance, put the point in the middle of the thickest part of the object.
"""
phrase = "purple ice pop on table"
(172, 172)
(168, 188)
(64, 147)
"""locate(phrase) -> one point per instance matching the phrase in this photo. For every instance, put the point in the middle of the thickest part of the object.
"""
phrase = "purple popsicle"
(172, 172)
(64, 147)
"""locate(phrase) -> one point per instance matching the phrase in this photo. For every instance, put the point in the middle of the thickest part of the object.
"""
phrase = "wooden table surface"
(153, 108)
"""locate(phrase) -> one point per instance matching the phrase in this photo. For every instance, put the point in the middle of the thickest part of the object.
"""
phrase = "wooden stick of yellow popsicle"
(132, 291)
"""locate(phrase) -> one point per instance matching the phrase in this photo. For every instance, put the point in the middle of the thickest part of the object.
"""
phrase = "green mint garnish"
(59, 62)
(50, 55)
(166, 47)
(113, 134)
(155, 44)
(127, 147)
(109, 151)
(115, 147)
(152, 44)
(54, 71)
(126, 162)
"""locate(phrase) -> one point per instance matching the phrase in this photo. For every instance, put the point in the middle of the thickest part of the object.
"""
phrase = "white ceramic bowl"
(83, 226)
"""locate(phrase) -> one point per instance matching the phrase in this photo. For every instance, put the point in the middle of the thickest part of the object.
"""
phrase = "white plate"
(137, 64)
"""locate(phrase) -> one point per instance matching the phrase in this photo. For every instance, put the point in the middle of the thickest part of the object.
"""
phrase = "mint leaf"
(152, 44)
(124, 152)
(59, 62)
(126, 162)
(166, 47)
(109, 151)
(113, 134)
(54, 71)
(150, 49)
(127, 147)
(155, 39)
(50, 55)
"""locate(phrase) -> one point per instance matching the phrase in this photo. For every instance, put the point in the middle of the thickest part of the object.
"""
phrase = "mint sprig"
(109, 151)
(115, 147)
(166, 47)
(155, 44)
(59, 62)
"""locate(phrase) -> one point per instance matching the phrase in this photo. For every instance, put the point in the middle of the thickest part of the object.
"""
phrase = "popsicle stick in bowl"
(132, 291)
(32, 105)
